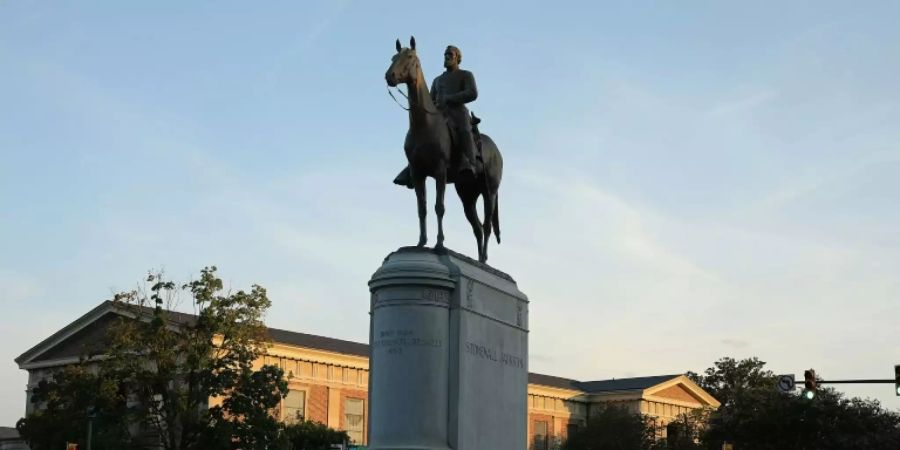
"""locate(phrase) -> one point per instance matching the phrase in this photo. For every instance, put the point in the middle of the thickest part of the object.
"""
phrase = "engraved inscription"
(394, 341)
(491, 354)
(435, 295)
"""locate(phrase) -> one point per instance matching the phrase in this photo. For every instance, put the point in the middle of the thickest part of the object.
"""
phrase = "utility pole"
(90, 433)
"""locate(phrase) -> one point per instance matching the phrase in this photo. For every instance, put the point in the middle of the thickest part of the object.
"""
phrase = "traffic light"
(809, 379)
(897, 380)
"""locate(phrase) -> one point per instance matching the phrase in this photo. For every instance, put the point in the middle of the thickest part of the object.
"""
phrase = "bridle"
(424, 108)
(395, 98)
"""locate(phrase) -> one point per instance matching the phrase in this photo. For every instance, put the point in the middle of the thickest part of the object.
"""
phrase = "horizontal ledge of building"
(283, 350)
(327, 363)
(615, 396)
(322, 381)
(558, 393)
(672, 401)
(59, 362)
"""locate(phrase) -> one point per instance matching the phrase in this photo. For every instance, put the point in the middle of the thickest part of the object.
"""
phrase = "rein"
(395, 98)
(436, 113)
(424, 108)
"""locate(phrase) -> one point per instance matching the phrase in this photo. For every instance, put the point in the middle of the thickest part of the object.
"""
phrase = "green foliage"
(167, 367)
(754, 415)
(730, 380)
(309, 435)
(683, 433)
(75, 396)
(613, 428)
(244, 421)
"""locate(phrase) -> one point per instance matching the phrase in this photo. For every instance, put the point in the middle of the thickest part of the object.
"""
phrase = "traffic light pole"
(855, 381)
(786, 382)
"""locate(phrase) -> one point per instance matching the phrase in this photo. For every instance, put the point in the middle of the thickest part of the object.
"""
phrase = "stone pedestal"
(449, 363)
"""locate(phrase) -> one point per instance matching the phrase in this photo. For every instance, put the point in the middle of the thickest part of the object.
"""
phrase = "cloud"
(19, 287)
(805, 184)
(743, 104)
(736, 344)
(305, 38)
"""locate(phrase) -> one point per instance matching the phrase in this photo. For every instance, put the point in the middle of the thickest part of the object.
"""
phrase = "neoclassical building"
(328, 380)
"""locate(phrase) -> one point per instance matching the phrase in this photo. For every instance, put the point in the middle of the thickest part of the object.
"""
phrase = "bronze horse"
(429, 150)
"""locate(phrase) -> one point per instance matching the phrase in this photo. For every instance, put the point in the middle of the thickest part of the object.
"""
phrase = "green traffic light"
(809, 394)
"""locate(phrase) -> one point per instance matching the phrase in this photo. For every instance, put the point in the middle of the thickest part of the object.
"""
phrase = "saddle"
(404, 179)
(476, 135)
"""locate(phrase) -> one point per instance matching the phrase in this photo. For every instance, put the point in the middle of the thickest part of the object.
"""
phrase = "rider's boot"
(466, 168)
(467, 161)
(404, 178)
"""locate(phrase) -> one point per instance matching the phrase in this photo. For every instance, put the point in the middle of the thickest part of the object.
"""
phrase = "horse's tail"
(495, 220)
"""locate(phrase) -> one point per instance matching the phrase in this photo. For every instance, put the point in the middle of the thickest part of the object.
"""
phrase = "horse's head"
(404, 66)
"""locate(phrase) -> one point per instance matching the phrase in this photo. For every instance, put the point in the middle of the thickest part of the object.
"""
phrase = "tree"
(168, 366)
(685, 431)
(613, 427)
(75, 398)
(309, 435)
(730, 380)
(754, 415)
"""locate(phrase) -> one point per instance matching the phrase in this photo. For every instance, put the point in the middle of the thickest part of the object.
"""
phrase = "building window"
(355, 419)
(571, 429)
(540, 435)
(294, 406)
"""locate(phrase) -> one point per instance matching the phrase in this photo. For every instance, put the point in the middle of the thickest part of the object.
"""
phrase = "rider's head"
(452, 57)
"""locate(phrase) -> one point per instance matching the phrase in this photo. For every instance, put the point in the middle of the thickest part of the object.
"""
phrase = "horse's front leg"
(440, 186)
(421, 199)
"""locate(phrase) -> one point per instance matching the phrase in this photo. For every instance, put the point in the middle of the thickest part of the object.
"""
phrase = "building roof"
(318, 342)
(88, 331)
(599, 386)
(552, 381)
(625, 384)
(57, 346)
(9, 434)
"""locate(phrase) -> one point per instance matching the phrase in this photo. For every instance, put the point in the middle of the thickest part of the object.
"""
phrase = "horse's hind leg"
(440, 186)
(469, 202)
(423, 209)
(490, 199)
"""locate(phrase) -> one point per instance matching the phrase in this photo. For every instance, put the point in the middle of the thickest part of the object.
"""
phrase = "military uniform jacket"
(455, 89)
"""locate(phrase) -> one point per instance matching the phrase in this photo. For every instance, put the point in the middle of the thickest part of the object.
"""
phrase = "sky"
(683, 181)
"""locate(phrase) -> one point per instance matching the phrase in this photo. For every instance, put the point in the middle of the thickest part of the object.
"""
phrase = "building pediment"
(80, 338)
(681, 390)
(669, 389)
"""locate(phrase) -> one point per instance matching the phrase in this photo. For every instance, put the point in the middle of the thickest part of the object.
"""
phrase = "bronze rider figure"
(451, 91)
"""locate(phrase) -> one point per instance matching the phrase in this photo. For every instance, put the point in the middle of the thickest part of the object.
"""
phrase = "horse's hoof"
(421, 243)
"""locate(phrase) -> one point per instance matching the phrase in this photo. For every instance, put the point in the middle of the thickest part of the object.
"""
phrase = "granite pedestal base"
(449, 362)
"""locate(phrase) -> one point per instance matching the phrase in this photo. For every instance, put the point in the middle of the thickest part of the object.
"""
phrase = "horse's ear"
(398, 45)
(412, 42)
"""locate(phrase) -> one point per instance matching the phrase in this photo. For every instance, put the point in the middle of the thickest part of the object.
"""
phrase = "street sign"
(786, 383)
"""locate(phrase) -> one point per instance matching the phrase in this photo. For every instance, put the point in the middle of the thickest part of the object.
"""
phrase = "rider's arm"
(467, 94)
(434, 92)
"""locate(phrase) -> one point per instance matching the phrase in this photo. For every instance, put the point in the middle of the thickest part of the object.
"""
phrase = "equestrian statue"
(444, 142)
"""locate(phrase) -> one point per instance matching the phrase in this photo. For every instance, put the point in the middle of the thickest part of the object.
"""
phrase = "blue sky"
(684, 180)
